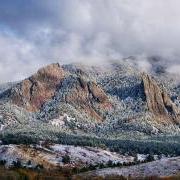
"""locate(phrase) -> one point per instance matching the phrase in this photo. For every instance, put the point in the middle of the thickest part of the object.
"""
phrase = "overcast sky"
(38, 32)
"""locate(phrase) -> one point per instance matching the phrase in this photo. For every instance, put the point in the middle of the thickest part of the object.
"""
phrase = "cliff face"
(87, 96)
(36, 90)
(159, 102)
(52, 80)
(115, 97)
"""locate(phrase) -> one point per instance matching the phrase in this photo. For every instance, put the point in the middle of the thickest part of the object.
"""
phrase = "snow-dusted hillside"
(115, 106)
(52, 156)
(163, 167)
(6, 86)
(103, 101)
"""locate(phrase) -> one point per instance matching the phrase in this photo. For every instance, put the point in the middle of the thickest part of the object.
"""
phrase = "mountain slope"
(161, 168)
(31, 93)
(159, 102)
(112, 101)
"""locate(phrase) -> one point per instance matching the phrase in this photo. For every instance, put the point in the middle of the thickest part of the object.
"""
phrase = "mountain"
(75, 118)
(114, 99)
(33, 92)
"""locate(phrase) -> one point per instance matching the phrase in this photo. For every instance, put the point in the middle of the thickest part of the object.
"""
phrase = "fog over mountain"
(89, 89)
(35, 33)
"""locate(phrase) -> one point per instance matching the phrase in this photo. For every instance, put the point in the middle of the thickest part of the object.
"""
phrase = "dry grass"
(23, 174)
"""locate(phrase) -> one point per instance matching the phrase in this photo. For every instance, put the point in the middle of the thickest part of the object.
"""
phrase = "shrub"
(66, 159)
(2, 162)
(17, 164)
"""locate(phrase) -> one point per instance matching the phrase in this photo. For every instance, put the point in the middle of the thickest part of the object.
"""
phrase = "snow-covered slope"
(5, 86)
(51, 156)
(163, 167)
(114, 101)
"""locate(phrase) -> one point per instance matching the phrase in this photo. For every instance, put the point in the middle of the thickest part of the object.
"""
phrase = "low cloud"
(34, 33)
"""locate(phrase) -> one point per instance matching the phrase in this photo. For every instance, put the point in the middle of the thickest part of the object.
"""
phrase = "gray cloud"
(34, 33)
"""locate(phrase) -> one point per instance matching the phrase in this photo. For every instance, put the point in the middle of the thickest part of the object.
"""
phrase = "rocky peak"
(159, 102)
(31, 93)
(86, 96)
(53, 80)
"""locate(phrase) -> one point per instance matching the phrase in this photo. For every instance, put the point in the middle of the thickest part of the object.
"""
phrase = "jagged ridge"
(159, 102)
(123, 99)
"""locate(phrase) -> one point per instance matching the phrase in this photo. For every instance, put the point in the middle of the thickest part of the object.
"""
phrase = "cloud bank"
(34, 33)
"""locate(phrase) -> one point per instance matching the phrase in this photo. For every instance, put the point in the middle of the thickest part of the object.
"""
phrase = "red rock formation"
(89, 97)
(84, 95)
(159, 102)
(36, 90)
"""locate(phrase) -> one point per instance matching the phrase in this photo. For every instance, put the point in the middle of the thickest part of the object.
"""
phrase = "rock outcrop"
(33, 92)
(119, 98)
(86, 96)
(159, 102)
(50, 81)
